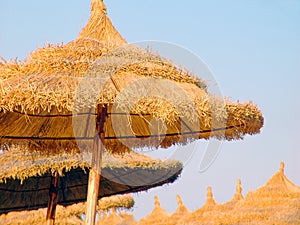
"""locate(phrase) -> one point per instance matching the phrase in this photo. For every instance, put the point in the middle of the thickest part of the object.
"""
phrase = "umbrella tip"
(98, 5)
(238, 186)
(179, 201)
(209, 196)
(281, 167)
(156, 201)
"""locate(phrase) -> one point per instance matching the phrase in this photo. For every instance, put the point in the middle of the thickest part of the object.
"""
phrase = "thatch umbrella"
(25, 178)
(206, 212)
(180, 213)
(276, 202)
(67, 215)
(45, 97)
(157, 216)
(117, 203)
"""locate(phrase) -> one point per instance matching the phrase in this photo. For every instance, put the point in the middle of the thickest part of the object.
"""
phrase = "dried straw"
(25, 177)
(276, 202)
(66, 215)
(157, 216)
(40, 95)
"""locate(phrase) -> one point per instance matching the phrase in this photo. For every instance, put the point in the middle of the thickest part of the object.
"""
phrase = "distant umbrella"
(157, 216)
(276, 202)
(180, 213)
(66, 215)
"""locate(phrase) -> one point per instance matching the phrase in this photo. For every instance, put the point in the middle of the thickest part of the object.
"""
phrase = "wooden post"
(95, 171)
(52, 202)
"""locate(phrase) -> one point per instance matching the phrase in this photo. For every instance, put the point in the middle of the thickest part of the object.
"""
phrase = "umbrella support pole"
(52, 202)
(95, 171)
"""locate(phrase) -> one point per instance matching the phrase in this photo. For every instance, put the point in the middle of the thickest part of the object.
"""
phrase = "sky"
(251, 48)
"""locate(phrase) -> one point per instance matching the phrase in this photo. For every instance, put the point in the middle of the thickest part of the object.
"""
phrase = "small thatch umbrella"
(111, 219)
(25, 178)
(66, 215)
(206, 212)
(157, 216)
(180, 213)
(43, 99)
(117, 203)
(276, 202)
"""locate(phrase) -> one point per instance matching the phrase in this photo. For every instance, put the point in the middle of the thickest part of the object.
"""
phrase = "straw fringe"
(19, 164)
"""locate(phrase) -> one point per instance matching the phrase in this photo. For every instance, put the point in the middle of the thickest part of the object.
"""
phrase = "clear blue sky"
(252, 47)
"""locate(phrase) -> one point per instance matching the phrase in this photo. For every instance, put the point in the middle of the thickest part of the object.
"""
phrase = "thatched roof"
(180, 213)
(157, 216)
(66, 215)
(151, 102)
(276, 202)
(25, 177)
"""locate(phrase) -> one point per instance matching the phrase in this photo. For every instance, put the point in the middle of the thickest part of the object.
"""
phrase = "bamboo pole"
(52, 202)
(95, 171)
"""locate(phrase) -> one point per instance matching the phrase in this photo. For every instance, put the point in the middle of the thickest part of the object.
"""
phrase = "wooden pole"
(95, 171)
(52, 202)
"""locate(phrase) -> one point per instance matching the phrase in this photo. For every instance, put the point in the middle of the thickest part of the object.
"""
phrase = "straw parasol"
(276, 202)
(67, 215)
(45, 105)
(117, 203)
(205, 213)
(180, 213)
(24, 179)
(157, 216)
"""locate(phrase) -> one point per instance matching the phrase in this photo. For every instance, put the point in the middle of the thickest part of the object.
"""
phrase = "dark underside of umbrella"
(72, 187)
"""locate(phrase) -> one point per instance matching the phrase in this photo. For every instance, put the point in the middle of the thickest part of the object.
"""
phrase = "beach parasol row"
(276, 202)
(98, 92)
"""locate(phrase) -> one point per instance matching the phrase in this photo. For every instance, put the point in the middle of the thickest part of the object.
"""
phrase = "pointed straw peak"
(238, 191)
(281, 168)
(179, 201)
(209, 193)
(209, 196)
(156, 202)
(98, 5)
(238, 188)
(99, 28)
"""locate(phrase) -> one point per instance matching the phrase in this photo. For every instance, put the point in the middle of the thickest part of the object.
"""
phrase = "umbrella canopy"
(66, 215)
(25, 178)
(46, 101)
(54, 100)
(180, 213)
(157, 216)
(276, 202)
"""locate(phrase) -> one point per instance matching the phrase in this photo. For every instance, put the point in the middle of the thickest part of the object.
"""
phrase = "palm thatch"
(37, 217)
(67, 215)
(180, 213)
(25, 177)
(47, 101)
(157, 216)
(276, 202)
